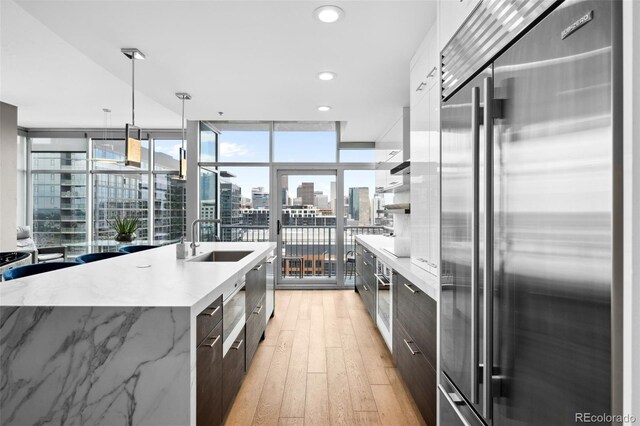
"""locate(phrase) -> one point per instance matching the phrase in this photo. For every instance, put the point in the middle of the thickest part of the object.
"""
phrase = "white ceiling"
(253, 60)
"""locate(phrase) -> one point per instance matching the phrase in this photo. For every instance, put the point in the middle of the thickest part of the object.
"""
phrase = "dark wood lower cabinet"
(233, 368)
(417, 312)
(256, 324)
(417, 372)
(365, 279)
(209, 379)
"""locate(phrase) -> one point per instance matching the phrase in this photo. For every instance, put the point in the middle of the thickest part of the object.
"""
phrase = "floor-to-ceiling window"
(237, 168)
(21, 181)
(79, 184)
(234, 180)
(118, 191)
(59, 188)
(169, 211)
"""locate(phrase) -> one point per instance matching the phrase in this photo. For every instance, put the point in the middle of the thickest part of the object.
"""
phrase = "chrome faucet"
(194, 235)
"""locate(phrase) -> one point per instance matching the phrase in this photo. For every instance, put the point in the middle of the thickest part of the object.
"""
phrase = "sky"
(299, 147)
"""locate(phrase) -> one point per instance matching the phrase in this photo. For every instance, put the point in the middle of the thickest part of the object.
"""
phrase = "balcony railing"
(308, 251)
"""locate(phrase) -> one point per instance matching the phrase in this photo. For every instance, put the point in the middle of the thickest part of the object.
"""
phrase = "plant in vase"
(125, 227)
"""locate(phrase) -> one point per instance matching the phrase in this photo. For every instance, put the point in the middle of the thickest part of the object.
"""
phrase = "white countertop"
(125, 281)
(422, 279)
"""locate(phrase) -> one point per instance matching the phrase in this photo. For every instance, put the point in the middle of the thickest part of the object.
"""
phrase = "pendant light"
(182, 173)
(133, 144)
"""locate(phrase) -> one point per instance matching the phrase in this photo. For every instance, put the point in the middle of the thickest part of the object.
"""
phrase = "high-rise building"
(208, 189)
(321, 201)
(259, 198)
(360, 205)
(284, 182)
(332, 197)
(230, 211)
(306, 192)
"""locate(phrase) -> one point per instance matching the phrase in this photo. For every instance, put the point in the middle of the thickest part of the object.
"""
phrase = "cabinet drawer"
(418, 374)
(233, 371)
(416, 312)
(368, 296)
(359, 263)
(369, 259)
(256, 287)
(359, 280)
(256, 324)
(208, 319)
(209, 379)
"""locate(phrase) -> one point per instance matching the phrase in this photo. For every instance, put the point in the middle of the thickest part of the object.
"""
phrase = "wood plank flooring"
(310, 369)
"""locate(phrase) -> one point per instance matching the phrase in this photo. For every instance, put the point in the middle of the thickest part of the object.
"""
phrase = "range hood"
(403, 168)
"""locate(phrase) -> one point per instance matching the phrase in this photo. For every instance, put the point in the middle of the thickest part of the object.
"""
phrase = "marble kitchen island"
(111, 342)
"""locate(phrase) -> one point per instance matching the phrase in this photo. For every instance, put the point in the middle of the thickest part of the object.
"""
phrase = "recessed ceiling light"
(324, 108)
(326, 75)
(328, 14)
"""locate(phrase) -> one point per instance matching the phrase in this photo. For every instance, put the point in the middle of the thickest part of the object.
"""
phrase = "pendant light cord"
(182, 122)
(133, 90)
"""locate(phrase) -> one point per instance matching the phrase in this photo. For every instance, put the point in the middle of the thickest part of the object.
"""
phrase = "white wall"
(8, 175)
(631, 339)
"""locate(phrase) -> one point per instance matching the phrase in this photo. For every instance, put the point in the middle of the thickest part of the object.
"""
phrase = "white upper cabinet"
(420, 180)
(424, 67)
(389, 154)
(425, 153)
(451, 14)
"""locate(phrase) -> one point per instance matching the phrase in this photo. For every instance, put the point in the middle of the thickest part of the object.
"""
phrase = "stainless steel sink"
(221, 256)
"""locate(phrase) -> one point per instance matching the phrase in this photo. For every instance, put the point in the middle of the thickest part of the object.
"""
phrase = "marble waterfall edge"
(95, 366)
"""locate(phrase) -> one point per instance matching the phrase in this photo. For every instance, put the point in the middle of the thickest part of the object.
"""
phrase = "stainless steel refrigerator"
(531, 169)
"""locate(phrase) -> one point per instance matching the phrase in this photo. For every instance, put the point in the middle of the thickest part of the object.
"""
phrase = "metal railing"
(308, 251)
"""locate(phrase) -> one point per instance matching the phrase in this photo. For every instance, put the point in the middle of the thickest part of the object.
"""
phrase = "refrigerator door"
(554, 200)
(453, 410)
(461, 318)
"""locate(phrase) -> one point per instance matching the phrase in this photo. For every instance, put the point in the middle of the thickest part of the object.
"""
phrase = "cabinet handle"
(365, 263)
(210, 312)
(408, 343)
(410, 289)
(365, 287)
(432, 72)
(420, 87)
(271, 259)
(382, 279)
(259, 309)
(237, 345)
(258, 267)
(212, 344)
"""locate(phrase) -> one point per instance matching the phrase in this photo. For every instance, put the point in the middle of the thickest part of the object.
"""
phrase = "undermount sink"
(221, 256)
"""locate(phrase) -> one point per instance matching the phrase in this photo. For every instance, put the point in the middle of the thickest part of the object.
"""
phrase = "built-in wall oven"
(384, 280)
(233, 316)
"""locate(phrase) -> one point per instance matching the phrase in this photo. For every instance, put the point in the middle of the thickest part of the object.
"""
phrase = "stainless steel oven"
(233, 316)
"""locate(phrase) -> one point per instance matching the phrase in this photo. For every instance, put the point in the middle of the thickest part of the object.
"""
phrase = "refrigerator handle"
(488, 249)
(476, 122)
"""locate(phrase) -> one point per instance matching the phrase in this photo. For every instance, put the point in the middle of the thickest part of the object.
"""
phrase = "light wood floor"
(310, 369)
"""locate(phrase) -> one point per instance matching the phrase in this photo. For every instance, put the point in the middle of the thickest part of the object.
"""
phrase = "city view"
(308, 219)
(79, 187)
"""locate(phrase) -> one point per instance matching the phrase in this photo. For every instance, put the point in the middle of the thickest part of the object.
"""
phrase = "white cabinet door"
(420, 182)
(432, 68)
(434, 178)
(381, 173)
(424, 66)
(418, 73)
